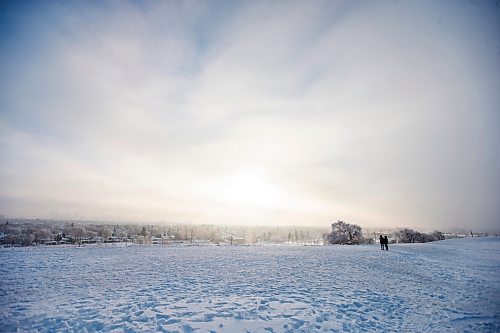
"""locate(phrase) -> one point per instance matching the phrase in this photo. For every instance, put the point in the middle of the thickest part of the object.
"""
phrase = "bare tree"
(77, 233)
(192, 233)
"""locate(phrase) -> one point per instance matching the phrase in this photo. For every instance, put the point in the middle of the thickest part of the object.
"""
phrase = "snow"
(446, 286)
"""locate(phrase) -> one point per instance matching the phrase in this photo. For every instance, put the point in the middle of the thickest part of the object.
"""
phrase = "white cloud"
(306, 112)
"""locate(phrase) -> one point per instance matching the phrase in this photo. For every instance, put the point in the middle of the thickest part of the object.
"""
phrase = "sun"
(248, 188)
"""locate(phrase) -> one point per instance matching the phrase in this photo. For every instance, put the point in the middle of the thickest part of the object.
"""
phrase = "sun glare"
(248, 188)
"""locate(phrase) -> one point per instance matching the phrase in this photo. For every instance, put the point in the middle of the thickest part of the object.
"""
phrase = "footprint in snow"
(188, 329)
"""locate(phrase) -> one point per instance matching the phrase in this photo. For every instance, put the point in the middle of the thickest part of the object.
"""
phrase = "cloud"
(378, 113)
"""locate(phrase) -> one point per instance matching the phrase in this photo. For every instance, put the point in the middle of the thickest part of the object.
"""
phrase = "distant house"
(113, 239)
(155, 240)
(234, 240)
(88, 240)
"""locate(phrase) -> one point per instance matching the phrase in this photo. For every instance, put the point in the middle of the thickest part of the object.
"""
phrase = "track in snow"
(450, 285)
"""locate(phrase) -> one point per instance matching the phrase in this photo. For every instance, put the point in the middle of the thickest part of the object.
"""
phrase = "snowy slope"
(447, 286)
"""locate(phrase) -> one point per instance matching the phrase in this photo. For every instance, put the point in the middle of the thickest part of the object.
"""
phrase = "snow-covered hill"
(446, 286)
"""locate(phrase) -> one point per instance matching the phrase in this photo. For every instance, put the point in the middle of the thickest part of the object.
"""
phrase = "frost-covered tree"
(411, 236)
(43, 235)
(105, 233)
(438, 235)
(344, 233)
(405, 235)
(121, 234)
(27, 239)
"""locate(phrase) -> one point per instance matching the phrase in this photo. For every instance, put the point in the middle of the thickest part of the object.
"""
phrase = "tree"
(27, 239)
(438, 235)
(192, 233)
(121, 234)
(43, 235)
(105, 233)
(344, 233)
(405, 235)
(77, 233)
(411, 236)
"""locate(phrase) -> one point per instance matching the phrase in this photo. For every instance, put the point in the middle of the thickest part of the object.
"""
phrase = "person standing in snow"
(381, 240)
(386, 243)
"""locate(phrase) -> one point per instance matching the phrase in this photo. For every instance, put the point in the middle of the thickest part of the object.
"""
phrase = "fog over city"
(379, 113)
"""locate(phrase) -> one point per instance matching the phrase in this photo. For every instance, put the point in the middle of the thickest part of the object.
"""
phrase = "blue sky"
(380, 113)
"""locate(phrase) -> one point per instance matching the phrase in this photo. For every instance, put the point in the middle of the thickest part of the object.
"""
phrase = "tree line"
(33, 232)
(349, 234)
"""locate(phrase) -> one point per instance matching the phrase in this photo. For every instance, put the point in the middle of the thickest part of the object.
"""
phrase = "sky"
(378, 113)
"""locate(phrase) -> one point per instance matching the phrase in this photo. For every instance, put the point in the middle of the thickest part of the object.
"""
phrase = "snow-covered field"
(447, 286)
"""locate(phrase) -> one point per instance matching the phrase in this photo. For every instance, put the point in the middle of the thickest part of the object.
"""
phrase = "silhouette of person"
(381, 240)
(386, 243)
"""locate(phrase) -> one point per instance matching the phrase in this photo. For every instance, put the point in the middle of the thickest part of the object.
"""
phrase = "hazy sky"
(380, 113)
